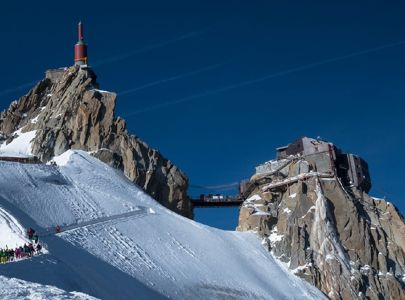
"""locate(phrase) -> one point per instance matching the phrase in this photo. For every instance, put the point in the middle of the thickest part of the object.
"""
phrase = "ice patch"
(309, 210)
(330, 257)
(101, 91)
(20, 146)
(254, 198)
(293, 195)
(299, 269)
(57, 116)
(287, 210)
(261, 213)
(35, 120)
(275, 237)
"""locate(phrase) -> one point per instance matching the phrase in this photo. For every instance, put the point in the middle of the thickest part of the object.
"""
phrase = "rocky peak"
(328, 231)
(68, 111)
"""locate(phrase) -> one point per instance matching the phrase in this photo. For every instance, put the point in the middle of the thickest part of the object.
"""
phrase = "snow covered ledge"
(20, 146)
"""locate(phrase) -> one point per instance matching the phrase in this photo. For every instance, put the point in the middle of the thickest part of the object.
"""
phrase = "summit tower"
(80, 47)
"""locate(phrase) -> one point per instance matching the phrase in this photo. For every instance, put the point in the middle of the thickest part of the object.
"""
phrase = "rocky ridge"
(346, 243)
(68, 111)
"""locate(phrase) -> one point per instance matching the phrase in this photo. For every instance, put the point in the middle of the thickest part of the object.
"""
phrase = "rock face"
(348, 244)
(69, 112)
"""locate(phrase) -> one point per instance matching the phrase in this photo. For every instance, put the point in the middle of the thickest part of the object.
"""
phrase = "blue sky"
(216, 86)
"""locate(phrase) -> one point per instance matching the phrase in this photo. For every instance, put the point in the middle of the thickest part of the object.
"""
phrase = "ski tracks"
(140, 212)
(131, 255)
(83, 207)
(180, 246)
(105, 240)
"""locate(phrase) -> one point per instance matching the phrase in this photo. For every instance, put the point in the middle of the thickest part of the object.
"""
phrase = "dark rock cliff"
(69, 112)
(346, 243)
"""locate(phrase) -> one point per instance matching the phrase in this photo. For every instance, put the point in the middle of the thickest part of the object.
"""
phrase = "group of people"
(27, 250)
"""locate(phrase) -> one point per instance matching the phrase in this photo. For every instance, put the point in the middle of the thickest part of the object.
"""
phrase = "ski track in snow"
(182, 247)
(140, 212)
(123, 252)
(28, 180)
(82, 206)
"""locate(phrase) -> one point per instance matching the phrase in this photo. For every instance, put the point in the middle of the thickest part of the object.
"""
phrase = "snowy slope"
(20, 145)
(12, 234)
(12, 288)
(118, 243)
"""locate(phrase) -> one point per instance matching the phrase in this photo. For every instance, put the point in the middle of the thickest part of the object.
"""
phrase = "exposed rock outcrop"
(69, 112)
(348, 244)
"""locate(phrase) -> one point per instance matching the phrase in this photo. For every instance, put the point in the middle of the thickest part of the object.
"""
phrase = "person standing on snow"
(30, 233)
(17, 253)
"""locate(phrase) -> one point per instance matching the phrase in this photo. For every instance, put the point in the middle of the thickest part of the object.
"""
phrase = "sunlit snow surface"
(118, 243)
(12, 288)
(12, 234)
(20, 146)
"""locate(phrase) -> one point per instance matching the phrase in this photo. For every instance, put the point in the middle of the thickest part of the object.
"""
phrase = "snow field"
(119, 243)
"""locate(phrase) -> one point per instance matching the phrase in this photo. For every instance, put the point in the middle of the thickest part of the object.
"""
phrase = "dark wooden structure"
(23, 160)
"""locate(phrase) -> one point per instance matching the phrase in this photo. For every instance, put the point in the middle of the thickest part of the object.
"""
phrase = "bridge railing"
(216, 198)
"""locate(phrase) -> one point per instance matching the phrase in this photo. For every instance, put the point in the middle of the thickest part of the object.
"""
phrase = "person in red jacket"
(30, 233)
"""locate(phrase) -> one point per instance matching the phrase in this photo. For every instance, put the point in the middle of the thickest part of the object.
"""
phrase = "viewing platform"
(216, 201)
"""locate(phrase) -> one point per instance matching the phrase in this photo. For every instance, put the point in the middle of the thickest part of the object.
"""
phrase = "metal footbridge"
(216, 201)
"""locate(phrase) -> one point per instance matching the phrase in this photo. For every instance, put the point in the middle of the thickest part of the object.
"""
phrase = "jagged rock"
(348, 244)
(68, 112)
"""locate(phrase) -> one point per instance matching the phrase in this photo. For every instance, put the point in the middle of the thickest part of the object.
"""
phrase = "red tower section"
(80, 47)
